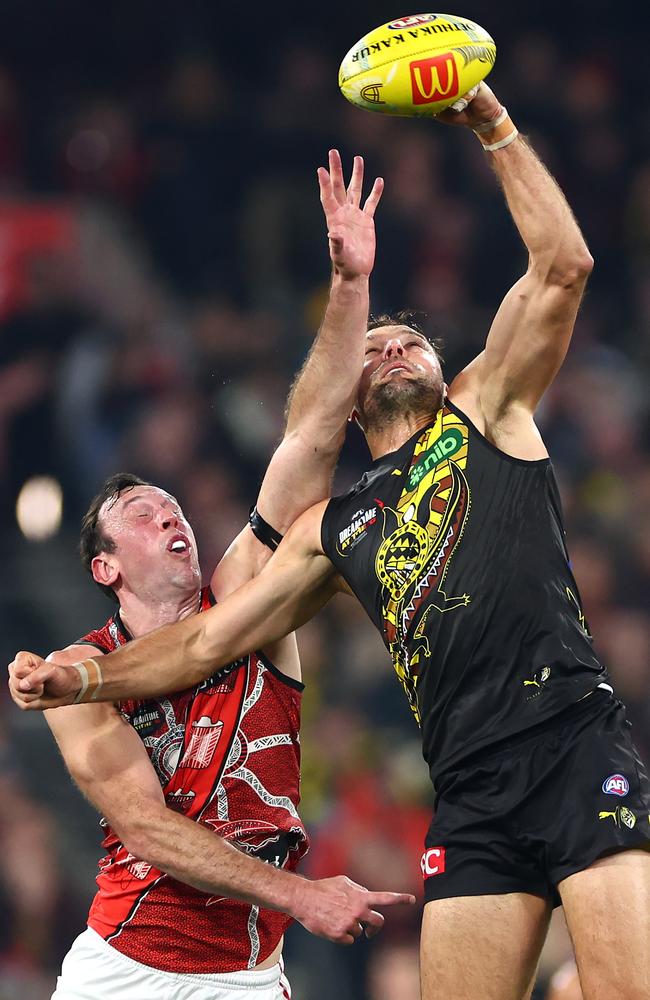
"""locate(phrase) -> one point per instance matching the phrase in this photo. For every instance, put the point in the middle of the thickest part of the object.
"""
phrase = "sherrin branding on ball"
(416, 65)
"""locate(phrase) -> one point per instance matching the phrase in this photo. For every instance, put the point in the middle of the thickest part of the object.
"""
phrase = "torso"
(456, 550)
(227, 755)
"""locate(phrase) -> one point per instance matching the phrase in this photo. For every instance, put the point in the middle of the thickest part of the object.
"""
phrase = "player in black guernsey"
(453, 542)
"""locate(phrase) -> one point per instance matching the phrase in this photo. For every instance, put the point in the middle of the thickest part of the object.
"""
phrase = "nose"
(393, 348)
(167, 519)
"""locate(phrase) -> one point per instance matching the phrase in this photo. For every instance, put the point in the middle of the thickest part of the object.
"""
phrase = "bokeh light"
(39, 508)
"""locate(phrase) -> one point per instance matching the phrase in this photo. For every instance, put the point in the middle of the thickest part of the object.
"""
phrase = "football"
(416, 65)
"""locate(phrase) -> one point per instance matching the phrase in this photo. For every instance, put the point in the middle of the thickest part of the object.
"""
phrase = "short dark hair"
(414, 319)
(93, 538)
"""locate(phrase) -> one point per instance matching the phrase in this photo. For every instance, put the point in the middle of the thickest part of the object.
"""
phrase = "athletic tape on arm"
(263, 531)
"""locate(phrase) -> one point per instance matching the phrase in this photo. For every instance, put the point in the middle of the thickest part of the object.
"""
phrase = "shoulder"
(74, 653)
(510, 429)
(104, 638)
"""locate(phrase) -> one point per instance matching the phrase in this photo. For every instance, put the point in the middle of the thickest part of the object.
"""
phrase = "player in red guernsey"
(226, 754)
(200, 790)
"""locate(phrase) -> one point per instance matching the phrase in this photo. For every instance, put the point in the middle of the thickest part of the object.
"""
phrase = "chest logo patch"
(420, 536)
(355, 531)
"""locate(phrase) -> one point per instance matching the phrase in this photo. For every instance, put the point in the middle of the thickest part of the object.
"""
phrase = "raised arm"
(296, 583)
(104, 755)
(323, 394)
(532, 329)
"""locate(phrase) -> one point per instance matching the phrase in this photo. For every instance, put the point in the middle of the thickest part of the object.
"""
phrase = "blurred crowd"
(163, 268)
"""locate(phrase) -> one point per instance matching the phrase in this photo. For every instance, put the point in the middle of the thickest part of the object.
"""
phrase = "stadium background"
(163, 265)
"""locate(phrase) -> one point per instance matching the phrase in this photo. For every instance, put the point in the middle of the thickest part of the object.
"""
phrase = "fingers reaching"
(372, 200)
(336, 176)
(333, 192)
(328, 201)
(356, 182)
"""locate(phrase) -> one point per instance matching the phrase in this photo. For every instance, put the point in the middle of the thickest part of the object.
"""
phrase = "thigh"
(607, 909)
(482, 946)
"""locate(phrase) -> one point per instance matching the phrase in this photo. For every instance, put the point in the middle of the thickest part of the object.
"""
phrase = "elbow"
(581, 266)
(137, 840)
(320, 434)
(572, 272)
(137, 827)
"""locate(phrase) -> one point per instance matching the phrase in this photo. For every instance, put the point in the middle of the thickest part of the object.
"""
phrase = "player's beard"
(394, 399)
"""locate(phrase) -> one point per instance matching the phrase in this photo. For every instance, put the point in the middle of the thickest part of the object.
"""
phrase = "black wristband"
(263, 531)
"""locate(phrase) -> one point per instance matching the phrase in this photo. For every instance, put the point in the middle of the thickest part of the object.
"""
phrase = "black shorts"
(539, 807)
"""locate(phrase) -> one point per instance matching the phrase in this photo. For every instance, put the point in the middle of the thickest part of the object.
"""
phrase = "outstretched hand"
(342, 910)
(350, 228)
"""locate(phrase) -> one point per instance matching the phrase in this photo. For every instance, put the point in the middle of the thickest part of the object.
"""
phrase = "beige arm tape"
(498, 133)
(90, 685)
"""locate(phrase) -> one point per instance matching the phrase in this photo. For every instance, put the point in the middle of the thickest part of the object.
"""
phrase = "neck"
(392, 434)
(141, 617)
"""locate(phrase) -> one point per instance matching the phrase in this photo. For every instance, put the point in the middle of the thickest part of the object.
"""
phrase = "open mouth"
(394, 368)
(179, 545)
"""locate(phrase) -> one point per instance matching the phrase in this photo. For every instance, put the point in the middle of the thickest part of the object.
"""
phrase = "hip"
(94, 970)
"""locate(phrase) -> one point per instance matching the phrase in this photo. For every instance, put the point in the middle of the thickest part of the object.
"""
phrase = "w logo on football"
(616, 784)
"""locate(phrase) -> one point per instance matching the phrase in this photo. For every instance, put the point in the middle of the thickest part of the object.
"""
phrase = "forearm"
(290, 590)
(541, 213)
(198, 856)
(324, 392)
(170, 659)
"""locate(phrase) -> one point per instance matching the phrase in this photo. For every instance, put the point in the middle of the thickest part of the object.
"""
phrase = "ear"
(105, 569)
(445, 391)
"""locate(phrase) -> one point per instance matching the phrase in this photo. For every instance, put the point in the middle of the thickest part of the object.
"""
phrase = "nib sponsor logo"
(616, 784)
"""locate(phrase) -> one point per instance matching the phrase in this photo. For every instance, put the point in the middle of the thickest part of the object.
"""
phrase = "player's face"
(401, 372)
(156, 551)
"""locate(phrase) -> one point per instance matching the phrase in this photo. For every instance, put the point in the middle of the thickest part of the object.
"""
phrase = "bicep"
(243, 559)
(299, 475)
(527, 342)
(104, 755)
(290, 589)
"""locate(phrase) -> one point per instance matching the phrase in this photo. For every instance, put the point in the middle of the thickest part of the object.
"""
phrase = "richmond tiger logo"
(419, 539)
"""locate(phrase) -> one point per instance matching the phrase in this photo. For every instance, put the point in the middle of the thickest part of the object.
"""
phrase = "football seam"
(398, 59)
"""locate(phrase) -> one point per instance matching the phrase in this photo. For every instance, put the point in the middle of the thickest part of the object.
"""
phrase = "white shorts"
(93, 970)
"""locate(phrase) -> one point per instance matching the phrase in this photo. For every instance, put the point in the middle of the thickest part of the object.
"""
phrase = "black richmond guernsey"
(457, 553)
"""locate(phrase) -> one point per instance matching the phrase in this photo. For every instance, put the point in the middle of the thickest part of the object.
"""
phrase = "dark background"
(163, 266)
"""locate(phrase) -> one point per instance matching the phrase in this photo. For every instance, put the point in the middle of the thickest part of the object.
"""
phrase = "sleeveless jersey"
(227, 755)
(457, 553)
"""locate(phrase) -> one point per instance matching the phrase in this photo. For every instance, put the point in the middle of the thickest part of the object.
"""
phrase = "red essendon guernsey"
(227, 755)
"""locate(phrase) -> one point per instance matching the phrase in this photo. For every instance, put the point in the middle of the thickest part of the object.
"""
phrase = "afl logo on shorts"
(616, 784)
(433, 862)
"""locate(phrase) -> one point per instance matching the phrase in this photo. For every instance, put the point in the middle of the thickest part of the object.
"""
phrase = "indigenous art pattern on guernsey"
(419, 539)
(227, 755)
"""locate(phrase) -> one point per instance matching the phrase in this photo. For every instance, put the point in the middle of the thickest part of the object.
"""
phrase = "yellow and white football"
(416, 65)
